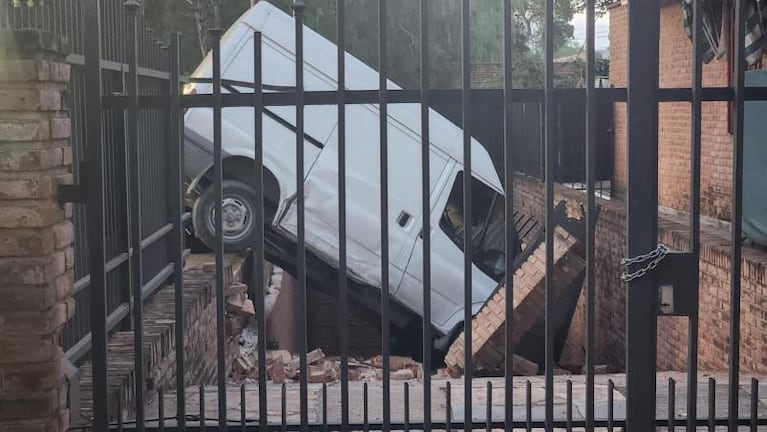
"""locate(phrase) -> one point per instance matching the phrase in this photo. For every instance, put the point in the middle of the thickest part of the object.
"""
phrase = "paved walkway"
(479, 402)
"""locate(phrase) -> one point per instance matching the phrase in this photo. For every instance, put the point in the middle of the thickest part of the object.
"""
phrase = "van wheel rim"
(237, 216)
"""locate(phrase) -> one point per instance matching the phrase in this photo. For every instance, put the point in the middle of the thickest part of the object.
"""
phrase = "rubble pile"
(282, 366)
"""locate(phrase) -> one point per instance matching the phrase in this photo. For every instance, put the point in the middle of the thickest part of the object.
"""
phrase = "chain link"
(656, 256)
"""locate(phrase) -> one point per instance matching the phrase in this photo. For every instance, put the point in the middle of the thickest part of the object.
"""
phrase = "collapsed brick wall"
(610, 302)
(674, 119)
(200, 354)
(200, 350)
(610, 247)
(488, 334)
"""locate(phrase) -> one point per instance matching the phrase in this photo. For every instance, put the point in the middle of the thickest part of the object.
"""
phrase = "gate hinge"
(75, 193)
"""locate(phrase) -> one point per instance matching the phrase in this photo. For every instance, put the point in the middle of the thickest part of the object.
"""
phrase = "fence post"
(36, 232)
(642, 211)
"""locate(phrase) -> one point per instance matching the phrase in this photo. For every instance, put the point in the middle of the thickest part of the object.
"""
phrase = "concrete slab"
(439, 406)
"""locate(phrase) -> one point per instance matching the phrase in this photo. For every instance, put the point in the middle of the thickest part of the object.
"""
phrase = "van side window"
(488, 236)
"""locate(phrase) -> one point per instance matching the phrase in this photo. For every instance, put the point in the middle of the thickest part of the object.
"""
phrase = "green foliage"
(29, 3)
(194, 17)
(599, 5)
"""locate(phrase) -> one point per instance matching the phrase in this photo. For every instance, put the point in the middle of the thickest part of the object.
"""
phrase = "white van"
(362, 176)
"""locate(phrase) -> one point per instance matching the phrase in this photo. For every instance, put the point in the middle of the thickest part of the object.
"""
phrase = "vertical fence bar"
(365, 407)
(343, 286)
(243, 406)
(298, 14)
(695, 142)
(160, 410)
(611, 406)
(489, 407)
(569, 409)
(448, 406)
(672, 404)
(384, 184)
(528, 406)
(642, 217)
(324, 407)
(119, 413)
(591, 169)
(202, 408)
(739, 59)
(95, 209)
(257, 255)
(426, 211)
(406, 398)
(711, 405)
(509, 228)
(754, 404)
(134, 209)
(550, 152)
(468, 369)
(219, 218)
(175, 212)
(284, 406)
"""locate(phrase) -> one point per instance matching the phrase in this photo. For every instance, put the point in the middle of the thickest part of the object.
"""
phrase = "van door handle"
(403, 218)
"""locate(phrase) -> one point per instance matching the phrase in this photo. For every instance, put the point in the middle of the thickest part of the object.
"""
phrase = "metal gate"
(642, 96)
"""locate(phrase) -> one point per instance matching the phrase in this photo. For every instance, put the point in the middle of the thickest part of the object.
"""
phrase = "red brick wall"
(610, 248)
(36, 234)
(674, 119)
(672, 331)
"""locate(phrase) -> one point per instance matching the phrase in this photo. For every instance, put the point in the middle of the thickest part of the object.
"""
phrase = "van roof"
(320, 57)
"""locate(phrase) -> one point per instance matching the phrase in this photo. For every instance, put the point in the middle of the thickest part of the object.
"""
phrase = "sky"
(601, 30)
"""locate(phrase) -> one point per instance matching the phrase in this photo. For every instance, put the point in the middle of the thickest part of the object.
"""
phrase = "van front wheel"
(239, 213)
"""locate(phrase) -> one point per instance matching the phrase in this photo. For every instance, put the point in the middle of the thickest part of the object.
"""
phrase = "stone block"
(37, 425)
(29, 406)
(28, 297)
(25, 242)
(42, 322)
(69, 257)
(30, 377)
(64, 285)
(29, 349)
(38, 187)
(41, 97)
(60, 72)
(32, 159)
(24, 130)
(61, 128)
(18, 271)
(63, 234)
(30, 214)
(25, 70)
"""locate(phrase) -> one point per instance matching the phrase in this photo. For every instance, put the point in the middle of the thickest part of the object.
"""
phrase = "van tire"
(239, 214)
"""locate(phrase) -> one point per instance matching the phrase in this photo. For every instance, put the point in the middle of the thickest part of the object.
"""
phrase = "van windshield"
(488, 232)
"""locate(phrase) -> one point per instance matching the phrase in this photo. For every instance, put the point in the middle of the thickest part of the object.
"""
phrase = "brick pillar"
(36, 232)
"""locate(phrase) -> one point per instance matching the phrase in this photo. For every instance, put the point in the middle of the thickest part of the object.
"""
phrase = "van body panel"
(363, 164)
(447, 275)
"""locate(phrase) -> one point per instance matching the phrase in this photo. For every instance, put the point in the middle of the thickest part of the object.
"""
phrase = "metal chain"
(656, 256)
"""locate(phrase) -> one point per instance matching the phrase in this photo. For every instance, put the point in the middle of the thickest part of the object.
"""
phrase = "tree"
(193, 19)
(196, 17)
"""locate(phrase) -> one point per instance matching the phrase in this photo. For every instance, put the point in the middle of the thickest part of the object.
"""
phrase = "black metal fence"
(105, 159)
(528, 136)
(65, 19)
